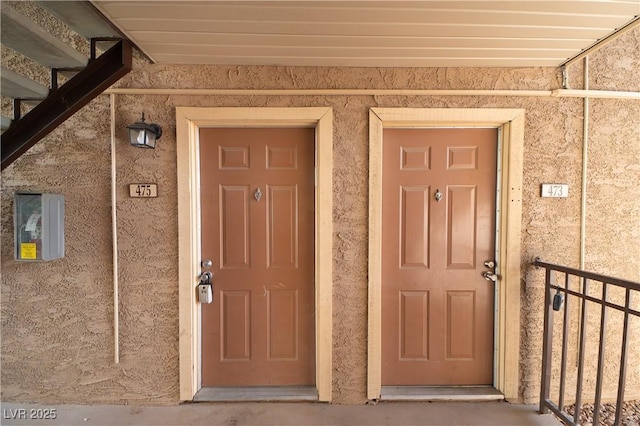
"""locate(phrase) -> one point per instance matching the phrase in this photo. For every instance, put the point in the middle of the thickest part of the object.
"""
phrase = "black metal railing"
(559, 297)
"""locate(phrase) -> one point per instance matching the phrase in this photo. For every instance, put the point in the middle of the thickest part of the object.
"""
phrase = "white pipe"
(601, 94)
(325, 92)
(114, 230)
(559, 93)
(585, 157)
(583, 189)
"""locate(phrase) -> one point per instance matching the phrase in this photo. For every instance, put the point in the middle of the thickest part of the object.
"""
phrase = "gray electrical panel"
(39, 226)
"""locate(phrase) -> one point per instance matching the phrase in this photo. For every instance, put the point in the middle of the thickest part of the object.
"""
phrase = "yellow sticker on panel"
(28, 251)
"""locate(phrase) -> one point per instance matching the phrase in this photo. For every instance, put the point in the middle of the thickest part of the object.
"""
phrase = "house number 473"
(143, 190)
(555, 190)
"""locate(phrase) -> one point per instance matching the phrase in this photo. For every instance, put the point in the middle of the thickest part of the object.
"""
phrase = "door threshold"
(257, 393)
(440, 393)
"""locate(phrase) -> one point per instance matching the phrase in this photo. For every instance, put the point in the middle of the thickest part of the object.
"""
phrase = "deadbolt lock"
(490, 264)
(206, 278)
(489, 276)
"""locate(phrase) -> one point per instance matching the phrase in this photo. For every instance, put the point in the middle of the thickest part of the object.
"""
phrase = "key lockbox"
(39, 226)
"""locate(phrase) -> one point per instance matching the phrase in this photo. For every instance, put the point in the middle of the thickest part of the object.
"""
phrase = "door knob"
(490, 276)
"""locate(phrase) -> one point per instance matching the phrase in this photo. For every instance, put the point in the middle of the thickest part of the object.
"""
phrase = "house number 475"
(143, 190)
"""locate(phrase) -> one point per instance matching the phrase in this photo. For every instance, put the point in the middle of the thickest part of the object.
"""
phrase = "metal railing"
(559, 297)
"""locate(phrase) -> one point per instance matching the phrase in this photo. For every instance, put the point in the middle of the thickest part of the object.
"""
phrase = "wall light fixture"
(144, 135)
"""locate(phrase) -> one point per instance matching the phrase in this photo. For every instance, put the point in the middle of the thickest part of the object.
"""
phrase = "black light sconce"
(144, 135)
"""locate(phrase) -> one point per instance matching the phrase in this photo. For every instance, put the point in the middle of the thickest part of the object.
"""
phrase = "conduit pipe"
(585, 157)
(558, 93)
(583, 187)
(114, 230)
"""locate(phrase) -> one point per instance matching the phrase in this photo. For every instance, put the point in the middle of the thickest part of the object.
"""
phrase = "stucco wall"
(57, 332)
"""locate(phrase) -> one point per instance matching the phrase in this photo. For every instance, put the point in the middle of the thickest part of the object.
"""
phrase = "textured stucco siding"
(57, 317)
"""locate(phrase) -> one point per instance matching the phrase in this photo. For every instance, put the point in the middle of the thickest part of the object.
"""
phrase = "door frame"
(188, 122)
(510, 123)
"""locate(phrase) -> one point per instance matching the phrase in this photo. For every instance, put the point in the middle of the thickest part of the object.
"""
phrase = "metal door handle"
(490, 276)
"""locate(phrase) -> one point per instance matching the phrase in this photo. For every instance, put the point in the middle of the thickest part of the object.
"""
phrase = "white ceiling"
(368, 33)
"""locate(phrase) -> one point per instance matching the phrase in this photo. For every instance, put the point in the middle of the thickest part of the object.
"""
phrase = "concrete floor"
(282, 414)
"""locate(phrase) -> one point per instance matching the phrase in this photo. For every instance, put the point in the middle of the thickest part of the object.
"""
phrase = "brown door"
(437, 309)
(257, 197)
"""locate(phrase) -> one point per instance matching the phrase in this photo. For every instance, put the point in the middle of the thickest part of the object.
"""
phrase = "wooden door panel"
(260, 328)
(415, 158)
(462, 157)
(282, 157)
(437, 309)
(233, 157)
(459, 327)
(461, 227)
(414, 233)
(282, 226)
(414, 325)
(282, 334)
(234, 218)
(236, 325)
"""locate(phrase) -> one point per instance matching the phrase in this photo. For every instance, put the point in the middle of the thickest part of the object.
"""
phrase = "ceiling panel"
(368, 33)
(189, 38)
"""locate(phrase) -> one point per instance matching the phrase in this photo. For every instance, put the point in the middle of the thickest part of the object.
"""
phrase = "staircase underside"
(86, 77)
(62, 103)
